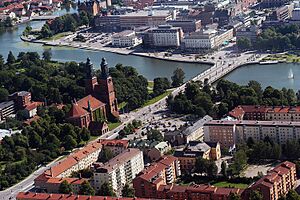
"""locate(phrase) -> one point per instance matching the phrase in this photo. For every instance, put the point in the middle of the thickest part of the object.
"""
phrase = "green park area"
(290, 58)
(230, 185)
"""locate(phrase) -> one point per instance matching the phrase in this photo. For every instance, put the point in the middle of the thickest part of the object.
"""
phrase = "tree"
(127, 191)
(224, 169)
(65, 188)
(234, 196)
(8, 22)
(45, 31)
(84, 18)
(3, 94)
(200, 166)
(86, 189)
(11, 58)
(105, 155)
(255, 195)
(85, 134)
(160, 86)
(106, 190)
(178, 77)
(292, 195)
(211, 168)
(47, 54)
(27, 30)
(244, 43)
(155, 135)
(69, 142)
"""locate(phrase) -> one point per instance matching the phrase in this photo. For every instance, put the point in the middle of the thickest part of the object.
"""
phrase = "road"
(222, 67)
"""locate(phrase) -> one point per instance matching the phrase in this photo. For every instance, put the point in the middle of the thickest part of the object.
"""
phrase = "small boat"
(268, 62)
(291, 75)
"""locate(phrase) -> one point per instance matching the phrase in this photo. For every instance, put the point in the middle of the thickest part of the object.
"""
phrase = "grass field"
(57, 36)
(230, 185)
(150, 87)
(112, 126)
(291, 58)
(156, 99)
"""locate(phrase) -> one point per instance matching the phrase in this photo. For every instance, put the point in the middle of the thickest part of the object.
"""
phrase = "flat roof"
(144, 13)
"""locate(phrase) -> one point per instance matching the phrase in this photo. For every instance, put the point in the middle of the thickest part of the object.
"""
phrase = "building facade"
(187, 26)
(125, 39)
(164, 171)
(165, 36)
(277, 182)
(119, 170)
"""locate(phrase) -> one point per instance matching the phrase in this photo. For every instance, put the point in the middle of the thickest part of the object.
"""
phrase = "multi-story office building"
(129, 21)
(277, 182)
(119, 170)
(164, 36)
(187, 26)
(229, 133)
(200, 40)
(163, 172)
(125, 39)
(251, 32)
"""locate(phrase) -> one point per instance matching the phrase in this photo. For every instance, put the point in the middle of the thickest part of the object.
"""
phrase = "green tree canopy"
(65, 188)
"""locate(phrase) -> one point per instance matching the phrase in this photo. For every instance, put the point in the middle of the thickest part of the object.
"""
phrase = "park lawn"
(231, 185)
(150, 87)
(57, 36)
(114, 125)
(283, 57)
(156, 99)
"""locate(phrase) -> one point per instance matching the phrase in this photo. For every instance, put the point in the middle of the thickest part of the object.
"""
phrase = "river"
(275, 75)
(150, 68)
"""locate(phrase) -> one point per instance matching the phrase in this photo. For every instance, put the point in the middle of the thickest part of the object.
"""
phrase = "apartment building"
(7, 109)
(275, 113)
(229, 133)
(221, 131)
(165, 36)
(188, 155)
(163, 172)
(125, 38)
(119, 170)
(80, 159)
(277, 182)
(43, 196)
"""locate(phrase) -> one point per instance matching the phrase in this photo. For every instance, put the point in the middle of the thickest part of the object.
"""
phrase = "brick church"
(99, 105)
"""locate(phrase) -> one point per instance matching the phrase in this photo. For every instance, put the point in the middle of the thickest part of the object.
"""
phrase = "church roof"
(94, 103)
(77, 111)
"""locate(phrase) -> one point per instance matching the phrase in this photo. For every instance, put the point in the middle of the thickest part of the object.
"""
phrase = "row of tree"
(275, 38)
(200, 99)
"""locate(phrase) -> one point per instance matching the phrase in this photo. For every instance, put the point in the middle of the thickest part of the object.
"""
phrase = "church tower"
(105, 91)
(90, 79)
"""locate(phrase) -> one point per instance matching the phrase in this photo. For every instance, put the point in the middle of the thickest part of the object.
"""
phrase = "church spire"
(88, 69)
(104, 69)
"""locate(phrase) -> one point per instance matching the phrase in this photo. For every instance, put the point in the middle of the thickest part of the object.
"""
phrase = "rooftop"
(253, 123)
(144, 13)
(118, 160)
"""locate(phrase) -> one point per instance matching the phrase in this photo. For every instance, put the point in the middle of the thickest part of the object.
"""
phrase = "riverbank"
(283, 58)
(122, 51)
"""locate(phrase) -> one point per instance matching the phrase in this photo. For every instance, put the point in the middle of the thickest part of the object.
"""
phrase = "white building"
(166, 36)
(119, 170)
(200, 40)
(125, 39)
(7, 109)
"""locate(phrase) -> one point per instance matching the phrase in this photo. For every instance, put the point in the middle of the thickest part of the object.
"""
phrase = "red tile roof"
(77, 111)
(45, 196)
(33, 105)
(115, 143)
(94, 103)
